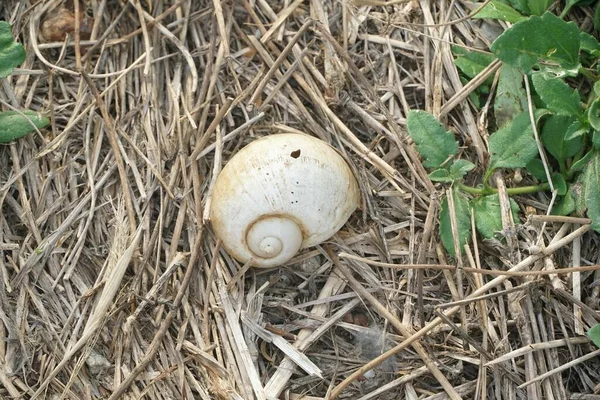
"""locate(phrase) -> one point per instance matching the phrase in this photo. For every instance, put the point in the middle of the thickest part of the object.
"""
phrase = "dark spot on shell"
(295, 153)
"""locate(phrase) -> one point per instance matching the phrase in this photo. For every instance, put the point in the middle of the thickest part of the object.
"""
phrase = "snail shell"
(280, 194)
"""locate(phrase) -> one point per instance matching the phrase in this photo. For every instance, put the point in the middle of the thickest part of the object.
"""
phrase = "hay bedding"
(113, 285)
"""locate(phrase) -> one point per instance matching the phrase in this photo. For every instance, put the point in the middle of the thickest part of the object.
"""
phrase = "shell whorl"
(279, 194)
(274, 239)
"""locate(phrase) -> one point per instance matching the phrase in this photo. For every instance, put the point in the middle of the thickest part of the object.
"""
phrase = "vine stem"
(564, 12)
(510, 191)
(486, 178)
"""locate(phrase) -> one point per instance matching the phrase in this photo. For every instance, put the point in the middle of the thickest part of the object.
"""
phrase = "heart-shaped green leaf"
(514, 145)
(14, 125)
(594, 334)
(488, 215)
(511, 98)
(463, 220)
(591, 189)
(557, 95)
(594, 114)
(547, 38)
(434, 143)
(440, 175)
(554, 137)
(12, 54)
(496, 9)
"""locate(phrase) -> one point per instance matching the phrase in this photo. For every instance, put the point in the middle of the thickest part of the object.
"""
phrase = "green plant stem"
(473, 190)
(486, 179)
(564, 12)
(510, 191)
(588, 74)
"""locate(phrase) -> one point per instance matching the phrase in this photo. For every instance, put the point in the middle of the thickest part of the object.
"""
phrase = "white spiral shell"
(279, 194)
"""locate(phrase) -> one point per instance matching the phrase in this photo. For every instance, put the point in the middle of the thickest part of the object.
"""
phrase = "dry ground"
(113, 285)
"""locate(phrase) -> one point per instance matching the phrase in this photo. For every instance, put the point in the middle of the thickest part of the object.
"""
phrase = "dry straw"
(112, 284)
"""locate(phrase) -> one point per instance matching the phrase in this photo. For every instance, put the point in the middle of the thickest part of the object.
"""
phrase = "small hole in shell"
(295, 153)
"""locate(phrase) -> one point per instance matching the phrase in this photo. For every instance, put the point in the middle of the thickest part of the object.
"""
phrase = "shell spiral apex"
(280, 194)
(274, 238)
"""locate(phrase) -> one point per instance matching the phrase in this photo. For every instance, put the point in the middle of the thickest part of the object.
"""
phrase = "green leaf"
(559, 184)
(576, 130)
(561, 72)
(570, 3)
(573, 201)
(577, 192)
(581, 163)
(594, 334)
(593, 112)
(590, 44)
(472, 63)
(546, 38)
(463, 220)
(488, 214)
(597, 88)
(521, 5)
(460, 168)
(536, 168)
(11, 54)
(514, 145)
(557, 95)
(440, 175)
(434, 143)
(455, 172)
(554, 133)
(511, 98)
(538, 7)
(499, 10)
(14, 125)
(591, 189)
(564, 206)
(596, 139)
(474, 96)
